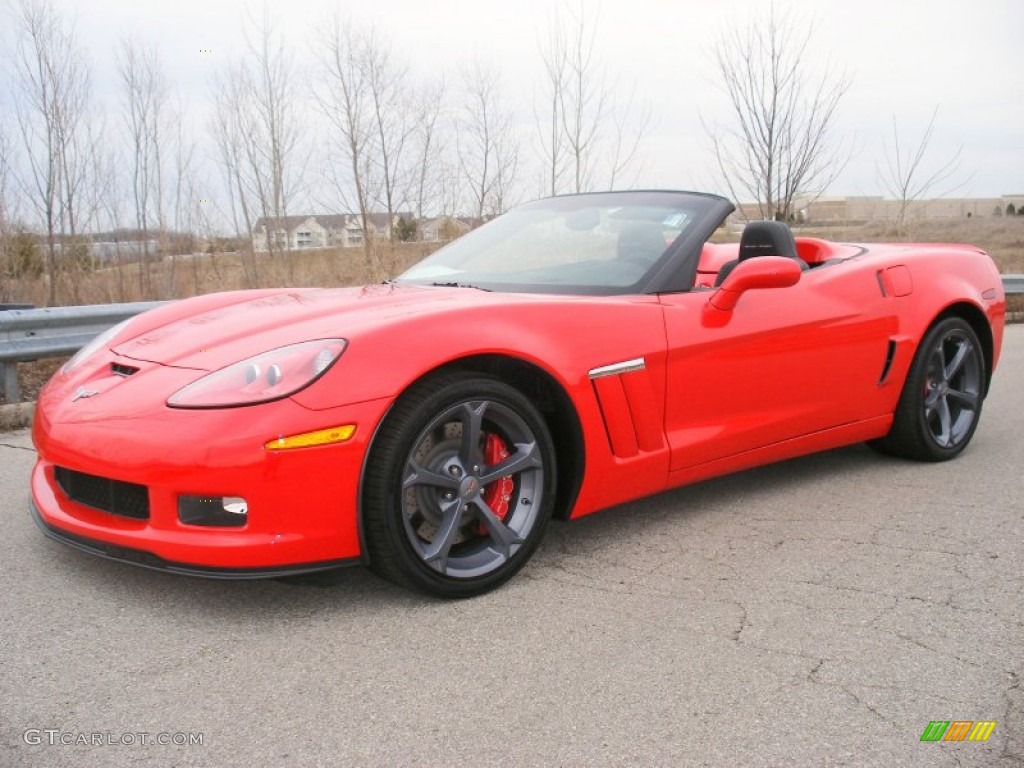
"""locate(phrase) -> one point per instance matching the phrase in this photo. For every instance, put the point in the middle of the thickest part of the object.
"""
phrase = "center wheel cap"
(469, 488)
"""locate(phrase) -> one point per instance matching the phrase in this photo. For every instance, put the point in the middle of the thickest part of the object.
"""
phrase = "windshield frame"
(675, 271)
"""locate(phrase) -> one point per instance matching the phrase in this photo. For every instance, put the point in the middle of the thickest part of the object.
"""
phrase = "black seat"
(763, 238)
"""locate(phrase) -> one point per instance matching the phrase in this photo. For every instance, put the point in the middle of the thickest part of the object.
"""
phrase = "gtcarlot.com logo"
(52, 737)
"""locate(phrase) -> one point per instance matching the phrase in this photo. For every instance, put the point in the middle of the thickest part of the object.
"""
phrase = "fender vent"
(123, 370)
(890, 355)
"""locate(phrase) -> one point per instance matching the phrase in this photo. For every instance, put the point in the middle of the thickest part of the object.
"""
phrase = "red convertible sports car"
(571, 355)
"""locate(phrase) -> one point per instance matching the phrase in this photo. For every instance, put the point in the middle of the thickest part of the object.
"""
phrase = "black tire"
(428, 493)
(941, 401)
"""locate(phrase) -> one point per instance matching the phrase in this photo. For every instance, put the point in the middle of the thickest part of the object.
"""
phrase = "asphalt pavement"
(819, 612)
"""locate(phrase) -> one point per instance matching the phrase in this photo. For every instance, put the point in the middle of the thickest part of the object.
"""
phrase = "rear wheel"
(941, 401)
(459, 486)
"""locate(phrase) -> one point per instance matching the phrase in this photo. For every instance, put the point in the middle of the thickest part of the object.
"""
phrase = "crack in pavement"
(17, 447)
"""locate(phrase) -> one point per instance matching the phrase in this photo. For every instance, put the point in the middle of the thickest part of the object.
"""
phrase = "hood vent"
(123, 370)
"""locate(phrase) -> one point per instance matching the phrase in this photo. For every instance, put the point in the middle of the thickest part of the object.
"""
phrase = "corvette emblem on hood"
(82, 392)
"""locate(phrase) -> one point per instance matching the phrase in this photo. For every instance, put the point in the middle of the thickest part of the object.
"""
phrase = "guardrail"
(34, 334)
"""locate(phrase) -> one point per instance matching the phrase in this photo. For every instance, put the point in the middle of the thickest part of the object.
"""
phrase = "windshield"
(596, 243)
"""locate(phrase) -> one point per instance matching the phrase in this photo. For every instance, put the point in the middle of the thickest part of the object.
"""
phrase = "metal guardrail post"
(12, 394)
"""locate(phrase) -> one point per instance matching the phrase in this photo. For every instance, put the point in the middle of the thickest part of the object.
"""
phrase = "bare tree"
(112, 179)
(548, 114)
(7, 266)
(256, 125)
(343, 96)
(52, 109)
(583, 103)
(428, 149)
(488, 148)
(386, 78)
(586, 132)
(907, 178)
(227, 127)
(779, 144)
(144, 96)
(184, 195)
(272, 149)
(631, 122)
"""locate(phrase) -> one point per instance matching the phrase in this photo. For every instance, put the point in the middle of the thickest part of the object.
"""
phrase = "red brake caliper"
(498, 493)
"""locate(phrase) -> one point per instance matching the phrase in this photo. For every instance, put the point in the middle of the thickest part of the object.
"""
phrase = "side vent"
(890, 355)
(627, 403)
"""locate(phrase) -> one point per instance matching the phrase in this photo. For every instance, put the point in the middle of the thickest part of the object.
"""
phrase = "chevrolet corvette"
(573, 354)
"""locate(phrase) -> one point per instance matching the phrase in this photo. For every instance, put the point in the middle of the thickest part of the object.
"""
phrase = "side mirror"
(760, 272)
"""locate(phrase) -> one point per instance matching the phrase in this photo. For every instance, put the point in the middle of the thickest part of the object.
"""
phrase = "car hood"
(211, 338)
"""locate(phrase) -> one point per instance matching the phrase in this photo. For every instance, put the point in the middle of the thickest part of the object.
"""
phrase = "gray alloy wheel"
(953, 388)
(941, 400)
(459, 487)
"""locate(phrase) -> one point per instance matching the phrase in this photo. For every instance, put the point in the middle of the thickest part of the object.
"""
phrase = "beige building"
(860, 209)
(444, 228)
(343, 230)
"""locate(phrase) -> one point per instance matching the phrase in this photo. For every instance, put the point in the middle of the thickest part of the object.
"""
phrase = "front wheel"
(940, 405)
(459, 486)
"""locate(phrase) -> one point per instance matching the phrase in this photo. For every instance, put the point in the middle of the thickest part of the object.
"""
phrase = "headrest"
(767, 238)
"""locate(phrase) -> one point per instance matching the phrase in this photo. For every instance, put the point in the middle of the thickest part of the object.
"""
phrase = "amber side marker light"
(308, 439)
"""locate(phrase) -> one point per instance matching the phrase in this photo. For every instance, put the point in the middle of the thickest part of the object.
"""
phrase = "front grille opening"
(113, 496)
(123, 370)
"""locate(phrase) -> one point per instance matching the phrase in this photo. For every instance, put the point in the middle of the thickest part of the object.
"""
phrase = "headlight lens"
(94, 346)
(260, 379)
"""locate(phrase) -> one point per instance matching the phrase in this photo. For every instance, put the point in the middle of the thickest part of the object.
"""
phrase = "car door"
(785, 362)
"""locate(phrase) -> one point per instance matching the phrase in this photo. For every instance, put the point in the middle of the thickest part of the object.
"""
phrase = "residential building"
(342, 230)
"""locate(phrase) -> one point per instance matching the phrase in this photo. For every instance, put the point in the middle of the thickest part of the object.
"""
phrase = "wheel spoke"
(420, 475)
(945, 436)
(472, 417)
(504, 537)
(967, 398)
(527, 456)
(962, 351)
(436, 553)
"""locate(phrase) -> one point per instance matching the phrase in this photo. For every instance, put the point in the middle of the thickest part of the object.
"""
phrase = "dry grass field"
(1002, 237)
(181, 277)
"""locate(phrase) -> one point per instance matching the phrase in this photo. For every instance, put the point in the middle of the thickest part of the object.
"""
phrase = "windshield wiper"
(461, 285)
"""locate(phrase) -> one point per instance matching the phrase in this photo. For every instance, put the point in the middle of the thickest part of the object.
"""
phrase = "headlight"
(94, 346)
(260, 379)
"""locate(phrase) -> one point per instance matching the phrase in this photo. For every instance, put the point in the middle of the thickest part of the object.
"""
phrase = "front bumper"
(149, 560)
(302, 503)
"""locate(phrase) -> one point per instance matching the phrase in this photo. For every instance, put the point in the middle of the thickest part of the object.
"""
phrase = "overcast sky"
(904, 57)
